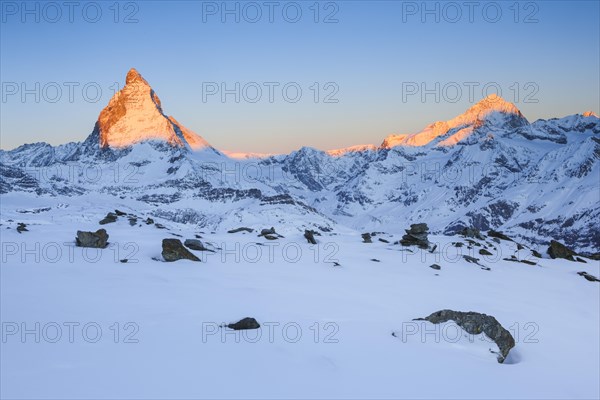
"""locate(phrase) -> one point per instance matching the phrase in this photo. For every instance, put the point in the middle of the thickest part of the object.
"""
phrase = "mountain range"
(489, 168)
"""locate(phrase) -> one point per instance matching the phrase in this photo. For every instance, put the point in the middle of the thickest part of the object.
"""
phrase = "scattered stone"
(336, 264)
(484, 252)
(310, 236)
(416, 236)
(22, 227)
(110, 218)
(581, 260)
(173, 250)
(471, 259)
(515, 259)
(132, 221)
(366, 237)
(149, 221)
(520, 246)
(242, 229)
(499, 235)
(383, 240)
(271, 231)
(124, 260)
(471, 232)
(559, 250)
(536, 254)
(435, 266)
(458, 244)
(160, 226)
(198, 236)
(246, 323)
(475, 323)
(375, 260)
(98, 239)
(195, 244)
(270, 237)
(587, 276)
(120, 213)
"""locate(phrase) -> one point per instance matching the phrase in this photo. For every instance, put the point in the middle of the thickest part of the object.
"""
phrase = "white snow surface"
(172, 347)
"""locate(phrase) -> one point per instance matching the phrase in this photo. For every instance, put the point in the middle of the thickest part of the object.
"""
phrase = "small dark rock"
(22, 227)
(435, 266)
(484, 252)
(110, 218)
(271, 231)
(173, 250)
(581, 260)
(383, 240)
(471, 232)
(499, 235)
(587, 276)
(120, 213)
(458, 244)
(310, 236)
(246, 323)
(366, 237)
(98, 239)
(195, 244)
(536, 254)
(124, 260)
(375, 260)
(160, 226)
(270, 237)
(242, 229)
(149, 221)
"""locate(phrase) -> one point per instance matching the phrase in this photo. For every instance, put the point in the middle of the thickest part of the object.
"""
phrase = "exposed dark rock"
(458, 244)
(484, 252)
(149, 221)
(195, 244)
(559, 250)
(581, 260)
(173, 250)
(264, 232)
(124, 260)
(433, 248)
(476, 323)
(375, 260)
(160, 226)
(22, 227)
(416, 236)
(110, 218)
(383, 240)
(435, 266)
(536, 254)
(98, 239)
(499, 235)
(366, 237)
(515, 259)
(270, 237)
(246, 323)
(120, 213)
(587, 276)
(471, 232)
(242, 229)
(310, 236)
(132, 221)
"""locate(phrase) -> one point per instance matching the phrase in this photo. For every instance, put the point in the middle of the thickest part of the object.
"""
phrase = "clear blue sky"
(374, 49)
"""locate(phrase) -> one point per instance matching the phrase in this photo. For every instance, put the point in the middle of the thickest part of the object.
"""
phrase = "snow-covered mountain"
(489, 168)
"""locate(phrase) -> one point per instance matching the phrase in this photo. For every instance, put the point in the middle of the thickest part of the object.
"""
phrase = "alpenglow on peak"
(134, 114)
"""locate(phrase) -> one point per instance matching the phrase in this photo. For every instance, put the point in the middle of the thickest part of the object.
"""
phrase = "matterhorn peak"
(590, 114)
(135, 114)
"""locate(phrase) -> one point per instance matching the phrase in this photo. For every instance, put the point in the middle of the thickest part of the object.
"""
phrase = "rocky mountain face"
(488, 168)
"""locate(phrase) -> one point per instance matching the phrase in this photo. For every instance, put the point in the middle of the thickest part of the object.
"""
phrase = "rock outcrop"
(476, 323)
(98, 239)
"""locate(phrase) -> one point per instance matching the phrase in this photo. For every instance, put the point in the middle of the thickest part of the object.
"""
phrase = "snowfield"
(150, 329)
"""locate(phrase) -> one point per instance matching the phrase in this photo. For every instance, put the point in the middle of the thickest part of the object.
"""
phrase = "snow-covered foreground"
(326, 330)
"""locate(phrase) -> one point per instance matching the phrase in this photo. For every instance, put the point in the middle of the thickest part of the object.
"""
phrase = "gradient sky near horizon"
(543, 55)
